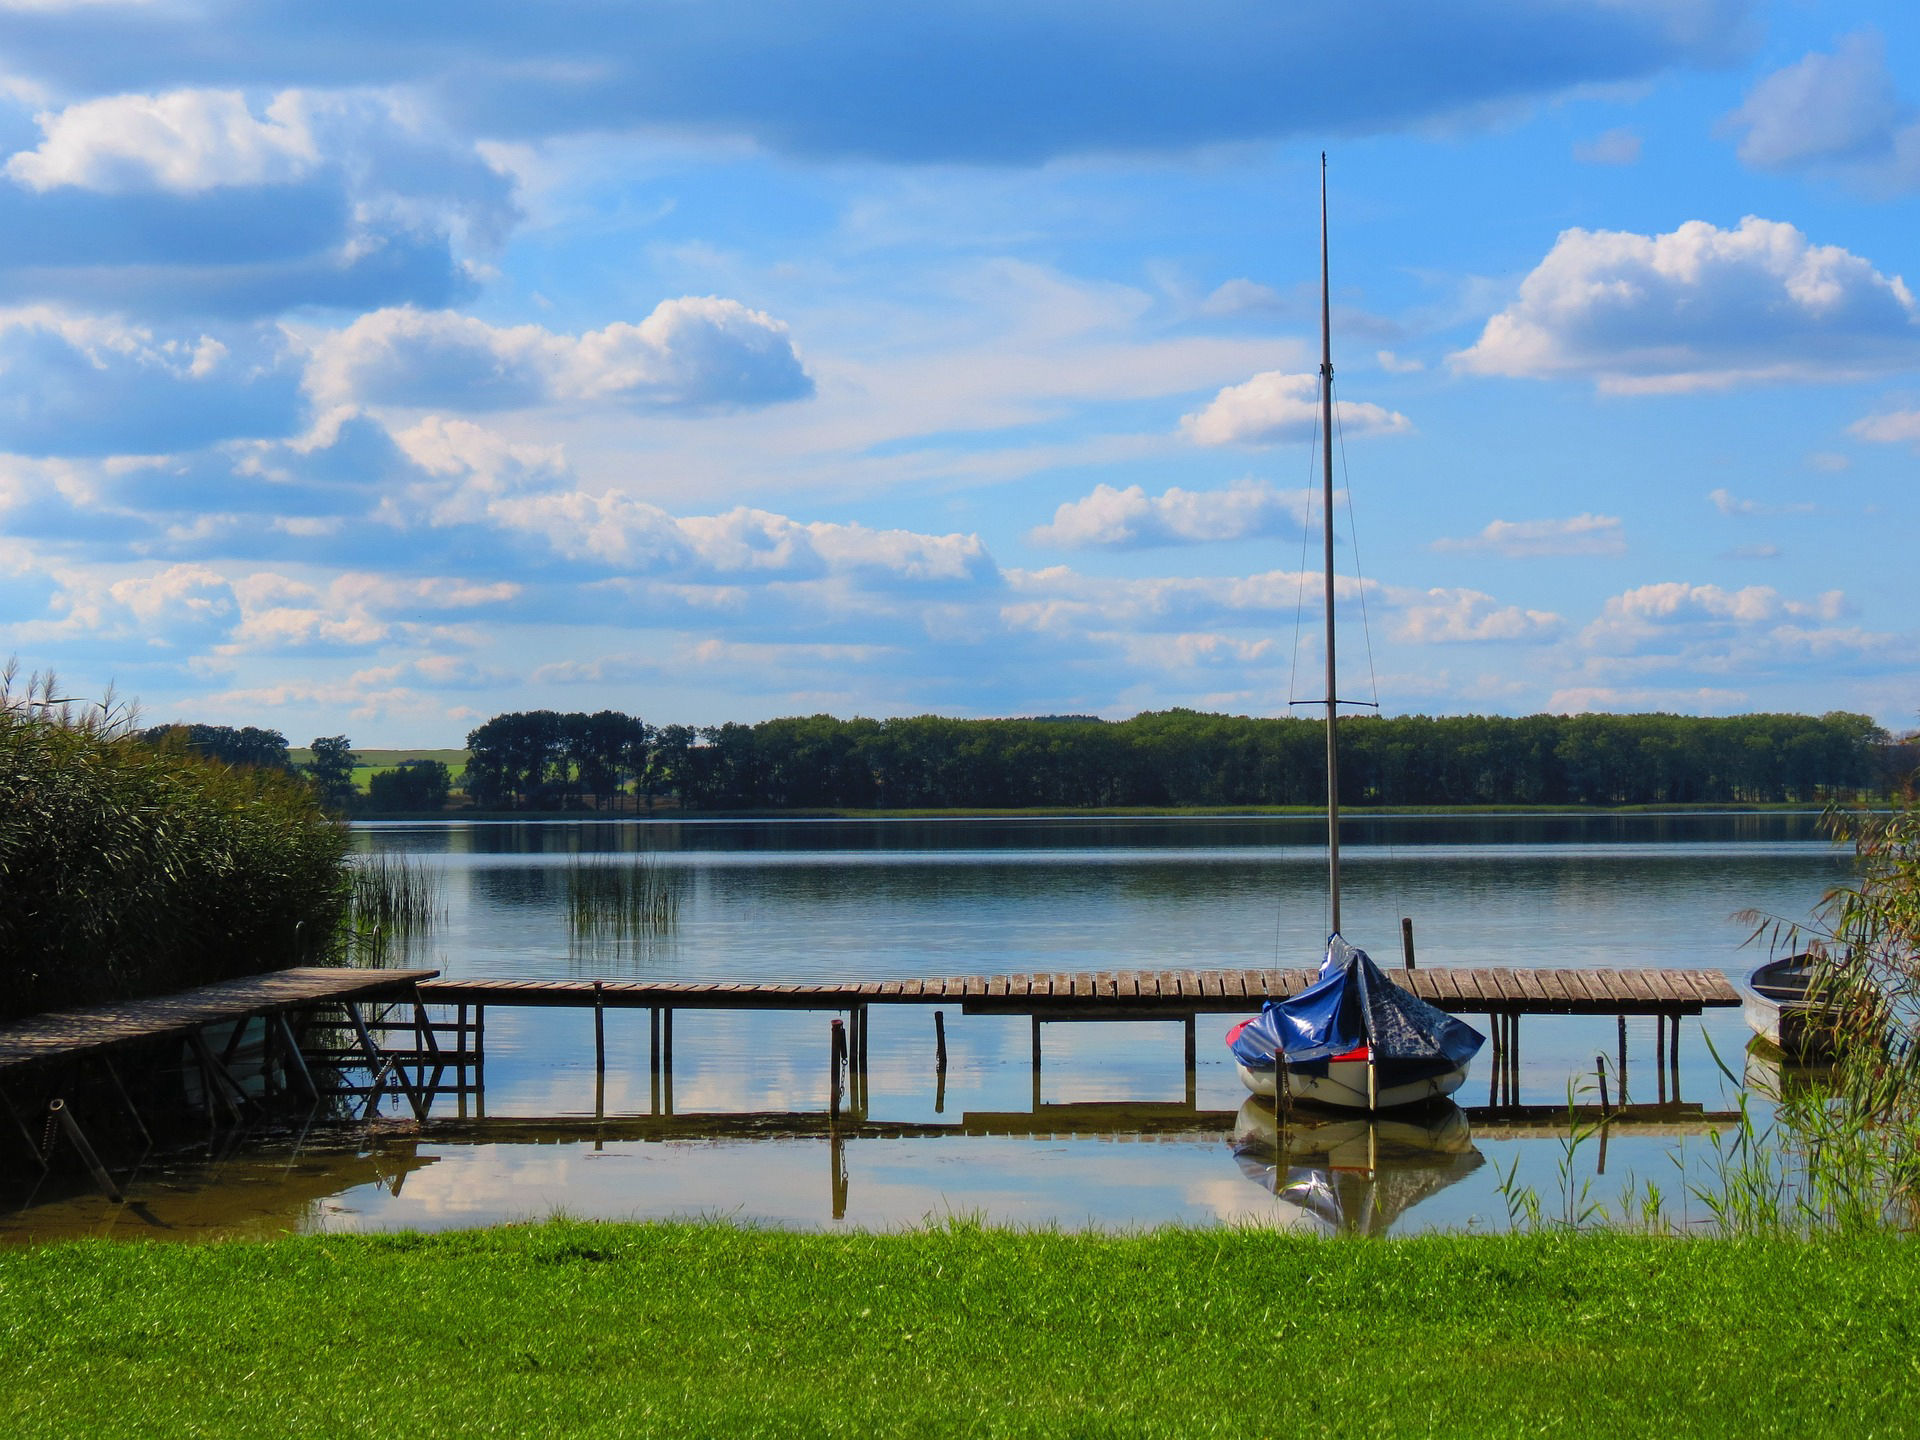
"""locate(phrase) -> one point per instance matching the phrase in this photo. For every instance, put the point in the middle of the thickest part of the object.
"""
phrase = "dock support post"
(836, 1054)
(1036, 1062)
(378, 1062)
(1600, 1074)
(599, 1031)
(1499, 1061)
(1513, 1058)
(1406, 939)
(939, 1062)
(1659, 1053)
(653, 1054)
(666, 1060)
(292, 1061)
(146, 1136)
(215, 1078)
(1191, 1059)
(1621, 1071)
(58, 1109)
(1674, 1042)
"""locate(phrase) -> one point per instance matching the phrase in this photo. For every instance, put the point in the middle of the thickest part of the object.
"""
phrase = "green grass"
(372, 762)
(568, 1329)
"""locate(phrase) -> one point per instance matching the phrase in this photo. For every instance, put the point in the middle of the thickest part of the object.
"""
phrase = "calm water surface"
(1112, 1142)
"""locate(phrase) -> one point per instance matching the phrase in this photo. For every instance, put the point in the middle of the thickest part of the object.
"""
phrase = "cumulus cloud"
(1836, 111)
(1447, 617)
(699, 353)
(932, 82)
(187, 201)
(1699, 308)
(184, 141)
(1274, 407)
(1130, 518)
(84, 385)
(1576, 535)
(1671, 606)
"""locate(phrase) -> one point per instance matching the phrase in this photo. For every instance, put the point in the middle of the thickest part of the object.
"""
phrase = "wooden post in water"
(1192, 1057)
(1659, 1053)
(653, 1055)
(1622, 1070)
(58, 1109)
(666, 1060)
(1600, 1074)
(836, 1052)
(599, 1031)
(1406, 939)
(1036, 1062)
(1675, 1043)
(939, 1062)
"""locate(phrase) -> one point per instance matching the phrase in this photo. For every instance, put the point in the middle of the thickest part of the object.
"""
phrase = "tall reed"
(128, 869)
(619, 901)
(392, 906)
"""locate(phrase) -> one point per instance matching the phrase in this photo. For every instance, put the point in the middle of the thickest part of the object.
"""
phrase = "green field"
(374, 761)
(605, 1330)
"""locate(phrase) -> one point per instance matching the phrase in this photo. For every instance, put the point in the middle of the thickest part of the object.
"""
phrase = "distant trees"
(263, 749)
(412, 785)
(331, 770)
(609, 761)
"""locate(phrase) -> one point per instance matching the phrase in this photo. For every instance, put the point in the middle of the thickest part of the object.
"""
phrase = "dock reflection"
(1352, 1175)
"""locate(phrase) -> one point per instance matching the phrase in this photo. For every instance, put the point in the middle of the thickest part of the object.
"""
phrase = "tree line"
(544, 760)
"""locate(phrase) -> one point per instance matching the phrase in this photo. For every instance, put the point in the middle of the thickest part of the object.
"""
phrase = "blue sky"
(375, 369)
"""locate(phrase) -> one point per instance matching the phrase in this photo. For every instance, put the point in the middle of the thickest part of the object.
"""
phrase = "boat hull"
(1776, 1009)
(1343, 1084)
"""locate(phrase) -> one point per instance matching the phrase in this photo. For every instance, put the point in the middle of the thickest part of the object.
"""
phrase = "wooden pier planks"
(64, 1033)
(1137, 993)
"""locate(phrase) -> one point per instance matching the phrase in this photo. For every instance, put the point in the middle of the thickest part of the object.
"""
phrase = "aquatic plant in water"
(619, 901)
(392, 905)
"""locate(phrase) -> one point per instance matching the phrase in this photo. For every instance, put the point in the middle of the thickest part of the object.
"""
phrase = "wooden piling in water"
(1406, 940)
(59, 1110)
(1600, 1074)
(1622, 1071)
(836, 1053)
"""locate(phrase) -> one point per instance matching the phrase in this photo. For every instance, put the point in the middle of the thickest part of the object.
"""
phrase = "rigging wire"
(1353, 537)
(1366, 631)
(1300, 591)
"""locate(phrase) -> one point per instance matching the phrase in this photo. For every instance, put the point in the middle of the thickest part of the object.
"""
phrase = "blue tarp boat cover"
(1352, 1004)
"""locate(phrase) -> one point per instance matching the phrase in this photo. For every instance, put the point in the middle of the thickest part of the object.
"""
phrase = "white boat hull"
(1345, 1086)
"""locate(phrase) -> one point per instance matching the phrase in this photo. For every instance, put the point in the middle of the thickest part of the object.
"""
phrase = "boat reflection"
(1352, 1174)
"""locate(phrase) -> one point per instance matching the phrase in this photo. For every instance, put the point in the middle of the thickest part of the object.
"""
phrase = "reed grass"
(128, 869)
(670, 1330)
(393, 904)
(620, 901)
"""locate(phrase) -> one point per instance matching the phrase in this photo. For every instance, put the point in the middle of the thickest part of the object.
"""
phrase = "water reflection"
(1352, 1175)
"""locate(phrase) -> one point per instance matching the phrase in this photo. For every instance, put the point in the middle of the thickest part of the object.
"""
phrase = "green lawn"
(567, 1329)
(374, 761)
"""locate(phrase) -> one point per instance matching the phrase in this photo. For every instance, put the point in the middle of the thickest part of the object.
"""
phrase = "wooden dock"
(70, 1034)
(238, 1047)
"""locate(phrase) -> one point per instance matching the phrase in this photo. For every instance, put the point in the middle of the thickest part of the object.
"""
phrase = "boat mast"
(1326, 517)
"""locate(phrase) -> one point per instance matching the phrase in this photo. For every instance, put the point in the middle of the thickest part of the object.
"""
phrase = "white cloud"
(1610, 147)
(1576, 535)
(690, 353)
(1273, 407)
(1889, 427)
(1398, 365)
(1836, 111)
(1129, 518)
(1242, 297)
(183, 141)
(1646, 612)
(1699, 308)
(1445, 616)
(1727, 503)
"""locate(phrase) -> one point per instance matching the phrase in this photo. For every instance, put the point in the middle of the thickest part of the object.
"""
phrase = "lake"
(1112, 1142)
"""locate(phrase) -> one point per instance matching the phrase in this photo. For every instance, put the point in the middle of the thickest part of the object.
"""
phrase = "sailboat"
(1353, 1039)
